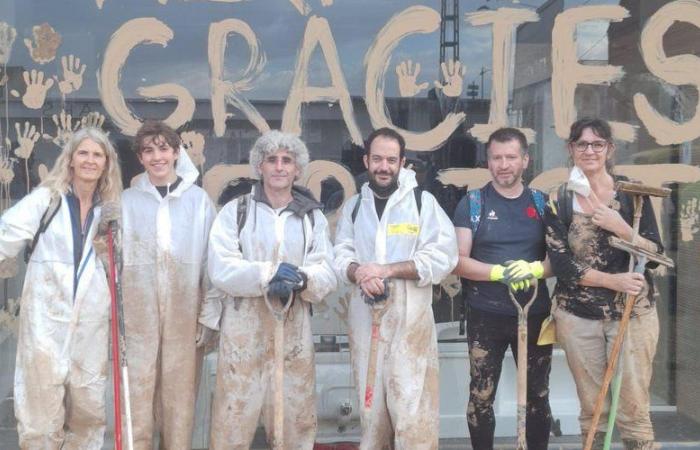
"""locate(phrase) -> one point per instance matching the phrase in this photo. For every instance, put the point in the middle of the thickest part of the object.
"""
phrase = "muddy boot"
(598, 440)
(634, 444)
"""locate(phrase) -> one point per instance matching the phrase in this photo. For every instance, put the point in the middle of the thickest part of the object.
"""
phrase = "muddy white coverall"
(164, 280)
(405, 409)
(60, 375)
(241, 265)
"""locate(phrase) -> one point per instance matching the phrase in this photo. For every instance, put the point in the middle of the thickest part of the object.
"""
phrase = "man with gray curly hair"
(270, 253)
(271, 142)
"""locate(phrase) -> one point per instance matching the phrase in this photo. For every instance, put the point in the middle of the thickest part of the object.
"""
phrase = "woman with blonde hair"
(62, 362)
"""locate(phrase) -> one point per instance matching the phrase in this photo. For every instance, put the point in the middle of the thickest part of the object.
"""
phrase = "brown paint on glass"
(676, 70)
(567, 73)
(413, 20)
(216, 178)
(504, 22)
(225, 92)
(318, 33)
(45, 43)
(145, 30)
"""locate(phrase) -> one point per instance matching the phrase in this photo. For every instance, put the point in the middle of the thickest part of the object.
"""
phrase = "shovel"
(378, 308)
(279, 312)
(522, 361)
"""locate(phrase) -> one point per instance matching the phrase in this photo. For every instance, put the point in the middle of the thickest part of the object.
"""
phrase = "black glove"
(377, 298)
(286, 280)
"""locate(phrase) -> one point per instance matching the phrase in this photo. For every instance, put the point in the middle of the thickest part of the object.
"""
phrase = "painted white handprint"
(46, 42)
(64, 128)
(407, 75)
(7, 174)
(193, 143)
(689, 220)
(26, 140)
(92, 119)
(35, 95)
(72, 74)
(452, 72)
(7, 39)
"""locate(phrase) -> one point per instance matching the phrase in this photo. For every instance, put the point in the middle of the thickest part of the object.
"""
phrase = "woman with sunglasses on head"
(593, 280)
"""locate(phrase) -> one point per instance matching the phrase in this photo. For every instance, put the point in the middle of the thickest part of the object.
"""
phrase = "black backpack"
(46, 218)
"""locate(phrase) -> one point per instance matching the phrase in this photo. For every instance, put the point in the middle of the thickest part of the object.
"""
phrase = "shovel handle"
(522, 362)
(378, 309)
(279, 313)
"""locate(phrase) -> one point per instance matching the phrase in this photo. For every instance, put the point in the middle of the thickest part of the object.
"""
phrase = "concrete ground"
(673, 432)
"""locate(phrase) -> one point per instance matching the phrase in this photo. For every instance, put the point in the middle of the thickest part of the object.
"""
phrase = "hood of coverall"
(407, 182)
(184, 169)
(303, 200)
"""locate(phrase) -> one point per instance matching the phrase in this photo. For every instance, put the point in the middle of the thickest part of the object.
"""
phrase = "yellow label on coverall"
(403, 228)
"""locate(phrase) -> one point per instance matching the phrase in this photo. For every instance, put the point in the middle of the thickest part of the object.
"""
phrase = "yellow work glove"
(519, 273)
(496, 273)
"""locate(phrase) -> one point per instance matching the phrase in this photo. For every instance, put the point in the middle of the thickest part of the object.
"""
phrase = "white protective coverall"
(164, 281)
(241, 265)
(406, 392)
(63, 338)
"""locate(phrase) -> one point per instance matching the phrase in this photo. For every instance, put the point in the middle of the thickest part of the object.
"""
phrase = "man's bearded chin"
(384, 191)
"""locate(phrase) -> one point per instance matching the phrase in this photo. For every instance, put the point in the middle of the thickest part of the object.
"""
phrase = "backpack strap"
(356, 208)
(242, 211)
(565, 204)
(538, 200)
(46, 218)
(418, 194)
(475, 209)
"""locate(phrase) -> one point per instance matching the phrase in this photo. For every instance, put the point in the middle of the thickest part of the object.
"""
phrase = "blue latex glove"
(281, 290)
(286, 280)
(289, 273)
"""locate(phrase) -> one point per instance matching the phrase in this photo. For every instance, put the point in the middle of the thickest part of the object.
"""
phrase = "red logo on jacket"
(531, 212)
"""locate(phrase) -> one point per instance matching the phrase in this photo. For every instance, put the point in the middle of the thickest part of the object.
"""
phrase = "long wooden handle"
(278, 388)
(372, 364)
(612, 364)
(617, 345)
(522, 380)
(522, 361)
(115, 343)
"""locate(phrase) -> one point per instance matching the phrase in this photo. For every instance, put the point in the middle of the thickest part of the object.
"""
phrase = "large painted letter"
(318, 32)
(416, 19)
(223, 91)
(567, 73)
(134, 32)
(503, 23)
(677, 70)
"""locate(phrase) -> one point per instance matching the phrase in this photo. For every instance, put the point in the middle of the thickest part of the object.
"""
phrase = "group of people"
(190, 274)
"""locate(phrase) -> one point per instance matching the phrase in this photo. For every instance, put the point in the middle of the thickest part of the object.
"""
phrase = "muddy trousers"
(489, 336)
(405, 412)
(587, 344)
(67, 416)
(244, 377)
